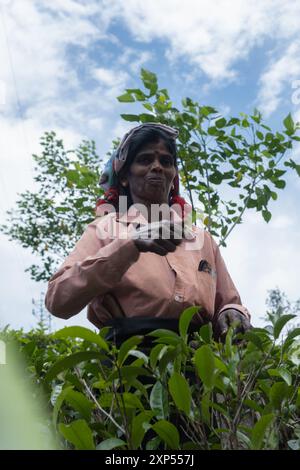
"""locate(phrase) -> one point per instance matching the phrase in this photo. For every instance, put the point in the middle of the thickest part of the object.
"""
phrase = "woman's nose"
(156, 165)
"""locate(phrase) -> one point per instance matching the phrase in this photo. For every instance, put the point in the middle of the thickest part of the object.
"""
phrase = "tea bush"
(183, 392)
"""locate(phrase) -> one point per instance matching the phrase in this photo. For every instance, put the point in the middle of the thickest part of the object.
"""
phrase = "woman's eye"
(145, 160)
(167, 161)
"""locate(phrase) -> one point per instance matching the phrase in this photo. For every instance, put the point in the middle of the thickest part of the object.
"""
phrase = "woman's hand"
(160, 237)
(226, 319)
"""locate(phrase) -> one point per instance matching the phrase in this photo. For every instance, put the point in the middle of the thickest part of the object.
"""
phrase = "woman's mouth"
(155, 181)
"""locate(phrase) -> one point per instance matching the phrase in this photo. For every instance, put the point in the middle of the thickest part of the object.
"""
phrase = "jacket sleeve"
(94, 267)
(227, 296)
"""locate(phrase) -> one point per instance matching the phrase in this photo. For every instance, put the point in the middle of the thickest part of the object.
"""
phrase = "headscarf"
(109, 177)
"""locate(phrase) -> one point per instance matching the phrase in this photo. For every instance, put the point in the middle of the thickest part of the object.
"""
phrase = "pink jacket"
(107, 273)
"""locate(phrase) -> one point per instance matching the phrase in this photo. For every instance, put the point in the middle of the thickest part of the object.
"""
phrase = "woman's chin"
(157, 198)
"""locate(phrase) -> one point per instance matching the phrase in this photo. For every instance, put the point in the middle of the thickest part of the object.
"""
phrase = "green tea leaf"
(138, 94)
(220, 122)
(169, 356)
(255, 339)
(185, 320)
(221, 365)
(289, 123)
(206, 333)
(293, 334)
(79, 402)
(216, 177)
(294, 444)
(168, 433)
(129, 372)
(160, 333)
(140, 424)
(110, 444)
(83, 333)
(266, 215)
(155, 352)
(280, 184)
(130, 117)
(205, 365)
(180, 392)
(130, 400)
(79, 434)
(159, 401)
(58, 403)
(153, 443)
(294, 353)
(253, 405)
(278, 392)
(259, 431)
(127, 346)
(150, 81)
(71, 361)
(126, 98)
(205, 404)
(280, 324)
(283, 373)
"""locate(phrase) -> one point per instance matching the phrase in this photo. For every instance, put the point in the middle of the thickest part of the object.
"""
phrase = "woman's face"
(151, 174)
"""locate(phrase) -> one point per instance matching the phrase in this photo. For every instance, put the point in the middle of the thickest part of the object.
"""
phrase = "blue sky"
(64, 63)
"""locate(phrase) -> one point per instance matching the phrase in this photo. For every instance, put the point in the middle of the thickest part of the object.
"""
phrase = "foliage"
(181, 393)
(278, 304)
(227, 165)
(242, 153)
(50, 220)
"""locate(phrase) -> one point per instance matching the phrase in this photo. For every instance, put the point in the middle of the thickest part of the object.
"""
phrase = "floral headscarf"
(109, 178)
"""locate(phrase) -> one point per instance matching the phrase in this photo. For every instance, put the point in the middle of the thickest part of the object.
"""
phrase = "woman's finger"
(221, 327)
(246, 325)
(154, 247)
(167, 244)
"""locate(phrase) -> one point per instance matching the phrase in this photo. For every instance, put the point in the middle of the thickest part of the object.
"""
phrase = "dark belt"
(123, 328)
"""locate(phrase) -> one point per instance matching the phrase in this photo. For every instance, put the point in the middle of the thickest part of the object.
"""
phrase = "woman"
(132, 274)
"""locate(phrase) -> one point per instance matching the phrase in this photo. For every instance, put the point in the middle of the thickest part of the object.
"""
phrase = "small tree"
(279, 306)
(43, 317)
(50, 220)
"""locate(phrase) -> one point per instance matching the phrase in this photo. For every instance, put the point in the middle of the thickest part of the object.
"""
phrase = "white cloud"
(215, 36)
(296, 114)
(105, 76)
(212, 35)
(112, 82)
(281, 222)
(201, 31)
(133, 59)
(34, 48)
(277, 78)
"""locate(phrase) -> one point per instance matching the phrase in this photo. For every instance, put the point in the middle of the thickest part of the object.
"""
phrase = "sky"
(64, 62)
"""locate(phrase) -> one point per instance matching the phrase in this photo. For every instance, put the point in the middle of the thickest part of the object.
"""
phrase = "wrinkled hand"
(160, 237)
(226, 319)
